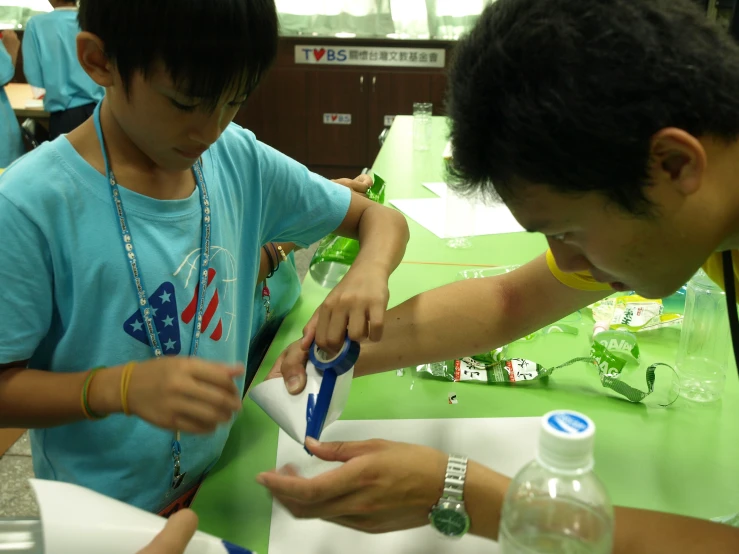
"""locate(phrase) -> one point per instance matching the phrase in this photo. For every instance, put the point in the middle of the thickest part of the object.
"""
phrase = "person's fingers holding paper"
(360, 184)
(382, 486)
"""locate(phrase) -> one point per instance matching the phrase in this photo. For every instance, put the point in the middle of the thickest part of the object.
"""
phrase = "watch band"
(456, 470)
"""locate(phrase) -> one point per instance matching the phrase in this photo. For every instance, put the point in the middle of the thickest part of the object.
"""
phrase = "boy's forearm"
(31, 398)
(442, 324)
(470, 317)
(636, 531)
(383, 250)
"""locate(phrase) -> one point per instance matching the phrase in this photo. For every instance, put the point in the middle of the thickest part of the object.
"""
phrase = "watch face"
(450, 521)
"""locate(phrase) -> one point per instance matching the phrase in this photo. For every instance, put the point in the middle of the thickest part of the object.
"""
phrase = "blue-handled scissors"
(331, 367)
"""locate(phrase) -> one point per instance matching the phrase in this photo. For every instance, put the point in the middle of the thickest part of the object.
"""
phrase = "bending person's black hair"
(569, 93)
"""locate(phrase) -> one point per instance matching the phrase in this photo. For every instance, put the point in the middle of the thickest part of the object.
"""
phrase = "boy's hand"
(290, 366)
(360, 184)
(329, 325)
(355, 307)
(177, 393)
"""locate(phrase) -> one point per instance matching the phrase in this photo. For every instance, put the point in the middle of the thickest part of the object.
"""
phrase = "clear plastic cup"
(705, 341)
(422, 112)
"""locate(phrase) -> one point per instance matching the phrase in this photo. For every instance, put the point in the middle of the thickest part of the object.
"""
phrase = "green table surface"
(404, 171)
(681, 459)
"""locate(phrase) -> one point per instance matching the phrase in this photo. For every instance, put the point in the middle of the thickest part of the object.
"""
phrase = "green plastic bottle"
(335, 254)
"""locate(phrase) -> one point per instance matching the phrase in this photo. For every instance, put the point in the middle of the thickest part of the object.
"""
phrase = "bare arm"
(472, 316)
(172, 392)
(379, 250)
(357, 306)
(637, 531)
(32, 398)
(384, 486)
(358, 185)
(459, 319)
(12, 45)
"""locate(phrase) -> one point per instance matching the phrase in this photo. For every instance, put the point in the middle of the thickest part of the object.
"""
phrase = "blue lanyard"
(138, 280)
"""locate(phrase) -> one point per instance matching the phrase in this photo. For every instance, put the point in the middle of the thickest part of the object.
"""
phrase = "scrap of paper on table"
(504, 444)
(451, 216)
(448, 151)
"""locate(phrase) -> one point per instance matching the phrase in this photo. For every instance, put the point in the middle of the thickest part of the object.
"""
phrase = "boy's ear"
(92, 58)
(678, 160)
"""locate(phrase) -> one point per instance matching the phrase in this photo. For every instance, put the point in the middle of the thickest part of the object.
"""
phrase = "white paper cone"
(289, 412)
(77, 520)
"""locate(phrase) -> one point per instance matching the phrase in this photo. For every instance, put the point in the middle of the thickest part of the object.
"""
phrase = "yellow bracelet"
(282, 253)
(89, 414)
(125, 381)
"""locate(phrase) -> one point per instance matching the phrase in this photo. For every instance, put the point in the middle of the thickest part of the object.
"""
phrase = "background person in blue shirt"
(11, 142)
(50, 63)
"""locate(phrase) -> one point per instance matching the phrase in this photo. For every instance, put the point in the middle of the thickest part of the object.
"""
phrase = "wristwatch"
(449, 516)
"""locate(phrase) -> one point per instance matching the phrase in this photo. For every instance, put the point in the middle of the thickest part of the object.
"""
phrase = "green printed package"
(632, 313)
(336, 254)
(490, 369)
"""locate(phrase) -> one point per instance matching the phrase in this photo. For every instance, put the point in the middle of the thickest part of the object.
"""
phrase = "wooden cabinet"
(368, 97)
(277, 112)
(288, 109)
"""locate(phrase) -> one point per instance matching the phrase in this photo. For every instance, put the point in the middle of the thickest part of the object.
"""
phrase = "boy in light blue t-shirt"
(132, 244)
(11, 142)
(50, 63)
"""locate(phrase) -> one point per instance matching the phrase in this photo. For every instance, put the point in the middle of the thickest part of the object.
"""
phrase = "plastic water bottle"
(21, 536)
(705, 341)
(26, 536)
(335, 255)
(556, 504)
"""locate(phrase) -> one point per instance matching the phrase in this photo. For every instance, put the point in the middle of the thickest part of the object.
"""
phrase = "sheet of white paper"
(456, 219)
(439, 189)
(504, 444)
(289, 412)
(37, 92)
(448, 151)
(451, 216)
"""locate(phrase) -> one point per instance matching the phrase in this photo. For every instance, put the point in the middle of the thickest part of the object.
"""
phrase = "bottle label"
(569, 423)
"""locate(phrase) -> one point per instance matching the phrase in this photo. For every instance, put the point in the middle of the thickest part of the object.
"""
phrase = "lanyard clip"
(177, 477)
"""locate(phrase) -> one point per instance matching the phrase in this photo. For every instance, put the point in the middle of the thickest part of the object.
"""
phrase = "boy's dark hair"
(209, 47)
(568, 93)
